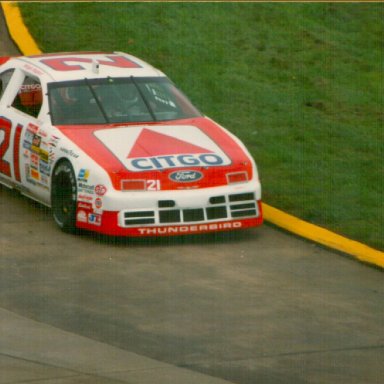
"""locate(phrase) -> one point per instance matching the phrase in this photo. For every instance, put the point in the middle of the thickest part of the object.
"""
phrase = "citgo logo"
(163, 147)
(163, 162)
(171, 152)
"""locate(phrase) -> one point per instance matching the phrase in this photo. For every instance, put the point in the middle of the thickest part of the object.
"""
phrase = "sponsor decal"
(170, 161)
(100, 190)
(69, 152)
(83, 174)
(34, 160)
(186, 176)
(39, 158)
(42, 133)
(84, 197)
(52, 155)
(44, 179)
(36, 142)
(33, 69)
(94, 218)
(162, 147)
(28, 88)
(86, 188)
(81, 216)
(35, 178)
(35, 174)
(45, 168)
(83, 205)
(189, 228)
(54, 141)
(32, 128)
(28, 174)
(44, 155)
(27, 143)
(157, 143)
(98, 203)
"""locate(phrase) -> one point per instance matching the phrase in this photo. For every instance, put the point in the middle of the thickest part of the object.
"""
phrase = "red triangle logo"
(150, 143)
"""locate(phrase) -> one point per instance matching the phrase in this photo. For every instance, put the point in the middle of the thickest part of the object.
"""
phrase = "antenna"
(95, 66)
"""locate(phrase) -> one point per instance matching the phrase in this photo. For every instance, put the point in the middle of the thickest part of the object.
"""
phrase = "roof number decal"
(72, 63)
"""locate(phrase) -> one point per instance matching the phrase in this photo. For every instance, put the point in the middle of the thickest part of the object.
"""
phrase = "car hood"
(193, 153)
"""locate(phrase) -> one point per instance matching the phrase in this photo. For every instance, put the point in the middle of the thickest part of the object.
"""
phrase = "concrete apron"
(30, 350)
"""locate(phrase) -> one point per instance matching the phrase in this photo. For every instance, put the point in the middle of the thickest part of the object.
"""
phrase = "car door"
(6, 132)
(24, 157)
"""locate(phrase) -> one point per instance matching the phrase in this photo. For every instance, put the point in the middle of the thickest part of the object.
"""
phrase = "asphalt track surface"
(257, 306)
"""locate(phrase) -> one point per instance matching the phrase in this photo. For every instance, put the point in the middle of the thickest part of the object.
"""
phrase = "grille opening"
(242, 206)
(249, 212)
(217, 200)
(193, 215)
(170, 216)
(139, 217)
(139, 221)
(242, 197)
(166, 203)
(127, 215)
(216, 213)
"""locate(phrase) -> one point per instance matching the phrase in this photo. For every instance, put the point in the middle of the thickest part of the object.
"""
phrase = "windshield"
(117, 100)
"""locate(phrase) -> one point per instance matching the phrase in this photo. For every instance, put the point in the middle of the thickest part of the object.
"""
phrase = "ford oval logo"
(186, 176)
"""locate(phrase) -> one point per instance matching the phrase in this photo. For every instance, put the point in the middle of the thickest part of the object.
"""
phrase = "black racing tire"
(64, 196)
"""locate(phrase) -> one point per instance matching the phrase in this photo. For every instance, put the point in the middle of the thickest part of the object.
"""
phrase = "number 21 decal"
(5, 139)
(153, 185)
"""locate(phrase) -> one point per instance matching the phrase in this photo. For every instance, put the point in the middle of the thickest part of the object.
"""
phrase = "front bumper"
(166, 213)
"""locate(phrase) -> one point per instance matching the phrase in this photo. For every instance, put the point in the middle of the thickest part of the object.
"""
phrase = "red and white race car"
(113, 146)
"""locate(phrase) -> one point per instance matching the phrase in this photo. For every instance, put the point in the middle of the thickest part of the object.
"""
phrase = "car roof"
(68, 66)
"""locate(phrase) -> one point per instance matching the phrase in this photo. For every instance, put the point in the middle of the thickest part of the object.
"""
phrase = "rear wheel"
(63, 196)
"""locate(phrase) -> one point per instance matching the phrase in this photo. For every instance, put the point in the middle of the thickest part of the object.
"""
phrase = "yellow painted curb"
(323, 236)
(362, 252)
(17, 29)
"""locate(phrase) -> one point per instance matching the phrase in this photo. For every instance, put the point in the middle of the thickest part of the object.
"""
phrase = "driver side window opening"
(29, 97)
(4, 80)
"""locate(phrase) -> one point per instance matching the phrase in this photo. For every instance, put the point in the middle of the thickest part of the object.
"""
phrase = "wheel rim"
(62, 197)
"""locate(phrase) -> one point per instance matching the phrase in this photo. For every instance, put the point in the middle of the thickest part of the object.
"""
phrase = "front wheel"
(63, 196)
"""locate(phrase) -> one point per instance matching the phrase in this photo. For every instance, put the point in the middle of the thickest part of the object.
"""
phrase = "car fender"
(91, 178)
(255, 175)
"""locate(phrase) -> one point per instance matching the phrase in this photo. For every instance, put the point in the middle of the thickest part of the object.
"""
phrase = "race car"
(113, 146)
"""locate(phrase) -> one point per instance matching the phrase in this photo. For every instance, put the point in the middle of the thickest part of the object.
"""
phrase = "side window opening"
(29, 98)
(4, 80)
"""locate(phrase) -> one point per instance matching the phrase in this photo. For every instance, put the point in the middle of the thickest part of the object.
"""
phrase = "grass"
(300, 83)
